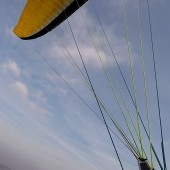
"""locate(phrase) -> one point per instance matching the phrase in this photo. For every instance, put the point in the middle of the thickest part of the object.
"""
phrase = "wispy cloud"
(20, 89)
(91, 41)
(39, 95)
(42, 125)
(11, 68)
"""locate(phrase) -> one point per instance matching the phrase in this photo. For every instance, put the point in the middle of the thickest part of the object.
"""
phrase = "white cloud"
(62, 91)
(48, 160)
(39, 95)
(20, 89)
(60, 155)
(85, 42)
(56, 83)
(38, 109)
(12, 68)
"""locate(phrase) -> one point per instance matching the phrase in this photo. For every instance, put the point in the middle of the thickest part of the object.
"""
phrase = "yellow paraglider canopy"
(41, 16)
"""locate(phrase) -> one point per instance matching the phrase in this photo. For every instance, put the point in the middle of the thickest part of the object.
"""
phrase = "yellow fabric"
(37, 14)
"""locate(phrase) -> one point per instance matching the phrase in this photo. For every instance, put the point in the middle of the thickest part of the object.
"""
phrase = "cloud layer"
(43, 124)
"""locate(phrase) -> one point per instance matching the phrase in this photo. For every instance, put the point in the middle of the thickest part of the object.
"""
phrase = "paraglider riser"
(144, 165)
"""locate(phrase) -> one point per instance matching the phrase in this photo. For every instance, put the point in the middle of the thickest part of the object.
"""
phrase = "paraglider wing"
(41, 16)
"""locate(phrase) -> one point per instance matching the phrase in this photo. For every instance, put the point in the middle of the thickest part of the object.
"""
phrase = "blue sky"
(43, 123)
